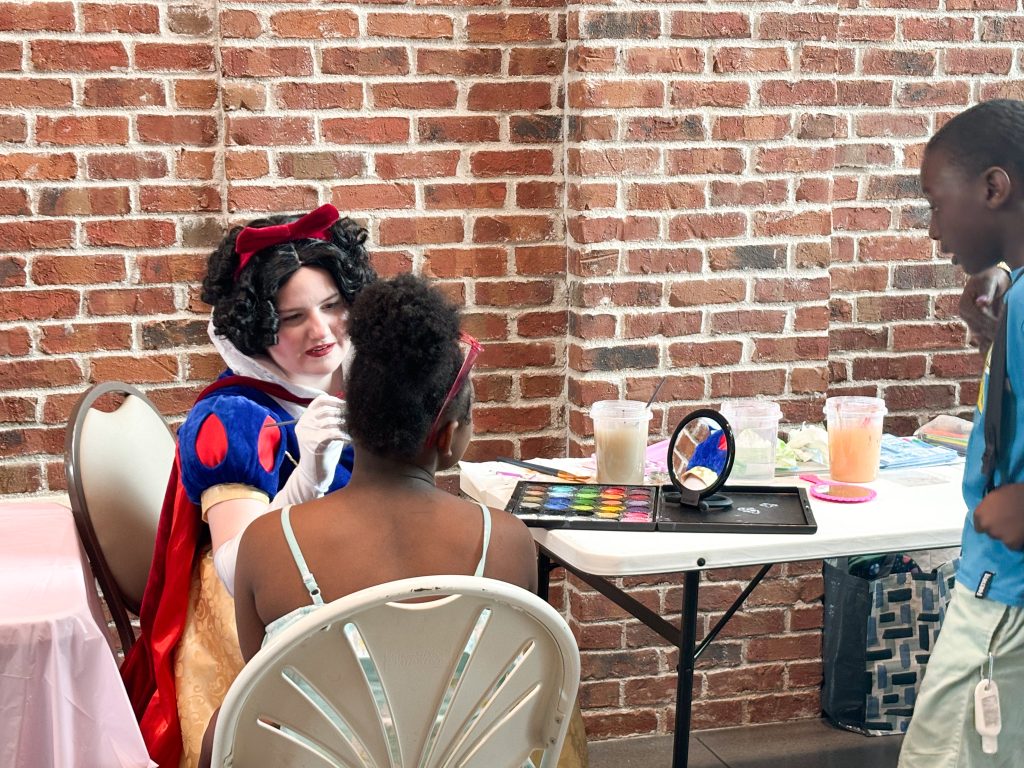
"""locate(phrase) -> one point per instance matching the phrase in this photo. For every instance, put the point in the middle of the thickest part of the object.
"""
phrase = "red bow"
(313, 226)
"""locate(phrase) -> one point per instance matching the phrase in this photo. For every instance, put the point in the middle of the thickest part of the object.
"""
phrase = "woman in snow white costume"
(280, 289)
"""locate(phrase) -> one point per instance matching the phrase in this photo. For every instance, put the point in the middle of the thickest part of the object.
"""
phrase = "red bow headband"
(313, 226)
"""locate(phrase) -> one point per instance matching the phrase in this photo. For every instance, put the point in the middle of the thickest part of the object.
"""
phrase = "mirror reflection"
(700, 453)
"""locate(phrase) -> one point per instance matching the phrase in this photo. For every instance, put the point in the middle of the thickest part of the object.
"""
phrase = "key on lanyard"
(987, 720)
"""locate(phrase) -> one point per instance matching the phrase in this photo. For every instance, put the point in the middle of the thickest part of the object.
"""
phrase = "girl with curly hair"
(268, 433)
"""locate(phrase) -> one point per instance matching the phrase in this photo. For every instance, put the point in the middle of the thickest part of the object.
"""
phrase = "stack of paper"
(903, 452)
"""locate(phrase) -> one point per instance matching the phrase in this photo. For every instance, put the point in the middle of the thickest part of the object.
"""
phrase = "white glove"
(322, 437)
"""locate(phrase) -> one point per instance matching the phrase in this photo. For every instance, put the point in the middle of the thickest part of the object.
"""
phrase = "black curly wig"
(407, 355)
(244, 310)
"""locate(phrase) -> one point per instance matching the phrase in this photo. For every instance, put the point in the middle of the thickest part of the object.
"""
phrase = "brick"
(365, 61)
(514, 294)
(316, 25)
(686, 161)
(123, 92)
(522, 162)
(540, 260)
(266, 62)
(747, 321)
(607, 228)
(420, 95)
(539, 194)
(800, 92)
(457, 61)
(68, 56)
(138, 233)
(240, 24)
(130, 301)
(195, 94)
(174, 57)
(821, 59)
(121, 17)
(512, 229)
(447, 263)
(620, 25)
(76, 131)
(617, 94)
(129, 165)
(422, 26)
(77, 270)
(363, 130)
(509, 96)
(179, 199)
(272, 199)
(320, 165)
(536, 61)
(10, 57)
(898, 63)
(863, 28)
(683, 128)
(507, 28)
(196, 130)
(20, 236)
(20, 92)
(416, 165)
(704, 354)
(952, 29)
(706, 226)
(613, 162)
(83, 201)
(269, 131)
(38, 166)
(731, 60)
(420, 230)
(682, 60)
(710, 26)
(79, 338)
(190, 21)
(374, 196)
(37, 17)
(486, 195)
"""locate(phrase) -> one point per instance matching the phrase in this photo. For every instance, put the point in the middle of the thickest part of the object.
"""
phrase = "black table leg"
(684, 679)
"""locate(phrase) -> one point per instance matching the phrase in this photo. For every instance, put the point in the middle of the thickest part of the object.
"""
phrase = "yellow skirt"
(207, 660)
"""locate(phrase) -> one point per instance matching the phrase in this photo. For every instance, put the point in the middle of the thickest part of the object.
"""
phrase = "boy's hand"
(1001, 515)
(979, 305)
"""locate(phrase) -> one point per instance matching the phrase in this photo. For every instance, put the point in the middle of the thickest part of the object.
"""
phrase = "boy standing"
(973, 178)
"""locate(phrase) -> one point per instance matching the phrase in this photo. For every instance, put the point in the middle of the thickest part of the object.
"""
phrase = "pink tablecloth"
(61, 698)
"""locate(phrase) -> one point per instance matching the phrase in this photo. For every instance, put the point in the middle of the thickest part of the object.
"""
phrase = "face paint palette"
(590, 506)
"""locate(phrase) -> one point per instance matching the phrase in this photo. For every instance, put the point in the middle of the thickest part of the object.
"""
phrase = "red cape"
(148, 669)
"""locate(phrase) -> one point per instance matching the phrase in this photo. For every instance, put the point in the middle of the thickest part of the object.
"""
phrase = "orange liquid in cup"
(854, 450)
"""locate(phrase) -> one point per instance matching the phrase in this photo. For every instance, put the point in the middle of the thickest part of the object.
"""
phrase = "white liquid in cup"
(620, 438)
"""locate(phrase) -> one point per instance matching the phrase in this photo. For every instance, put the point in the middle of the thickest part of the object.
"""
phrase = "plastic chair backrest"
(117, 464)
(478, 678)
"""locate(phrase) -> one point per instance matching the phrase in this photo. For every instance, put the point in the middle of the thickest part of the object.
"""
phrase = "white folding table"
(914, 509)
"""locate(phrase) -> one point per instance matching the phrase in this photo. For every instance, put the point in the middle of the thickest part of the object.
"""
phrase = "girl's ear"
(446, 439)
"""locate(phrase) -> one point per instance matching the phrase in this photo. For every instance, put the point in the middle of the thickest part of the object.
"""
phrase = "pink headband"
(313, 226)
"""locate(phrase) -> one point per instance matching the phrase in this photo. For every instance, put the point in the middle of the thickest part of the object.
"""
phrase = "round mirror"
(700, 457)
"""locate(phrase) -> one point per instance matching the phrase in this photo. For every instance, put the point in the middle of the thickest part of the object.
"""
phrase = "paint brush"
(281, 423)
(559, 473)
(657, 389)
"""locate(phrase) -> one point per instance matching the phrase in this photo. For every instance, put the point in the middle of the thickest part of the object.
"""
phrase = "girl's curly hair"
(407, 355)
(244, 310)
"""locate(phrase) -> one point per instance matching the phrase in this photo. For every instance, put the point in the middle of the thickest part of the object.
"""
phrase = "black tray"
(791, 512)
(541, 517)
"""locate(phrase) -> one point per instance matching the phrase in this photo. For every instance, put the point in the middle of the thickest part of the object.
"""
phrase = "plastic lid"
(752, 409)
(855, 404)
(620, 409)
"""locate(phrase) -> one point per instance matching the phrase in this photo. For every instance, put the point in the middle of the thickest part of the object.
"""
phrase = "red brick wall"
(723, 191)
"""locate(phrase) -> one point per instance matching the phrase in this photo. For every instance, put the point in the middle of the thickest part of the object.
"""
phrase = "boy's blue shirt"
(981, 553)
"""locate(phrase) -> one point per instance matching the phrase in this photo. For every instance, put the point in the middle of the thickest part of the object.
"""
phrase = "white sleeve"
(224, 561)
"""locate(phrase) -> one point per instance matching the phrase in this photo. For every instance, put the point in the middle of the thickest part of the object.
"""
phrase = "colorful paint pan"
(592, 506)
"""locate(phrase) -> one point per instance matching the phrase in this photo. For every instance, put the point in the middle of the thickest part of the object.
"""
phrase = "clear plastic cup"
(620, 439)
(755, 428)
(854, 437)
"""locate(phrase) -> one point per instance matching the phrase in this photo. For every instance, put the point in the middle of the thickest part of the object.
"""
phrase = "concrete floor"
(801, 744)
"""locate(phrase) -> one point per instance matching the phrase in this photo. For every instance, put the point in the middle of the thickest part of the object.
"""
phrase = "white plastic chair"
(478, 678)
(117, 464)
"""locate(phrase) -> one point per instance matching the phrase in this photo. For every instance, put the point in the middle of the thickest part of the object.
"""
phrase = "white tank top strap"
(307, 577)
(487, 539)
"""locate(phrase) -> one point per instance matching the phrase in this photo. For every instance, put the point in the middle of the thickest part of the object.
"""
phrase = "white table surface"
(914, 509)
(62, 702)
